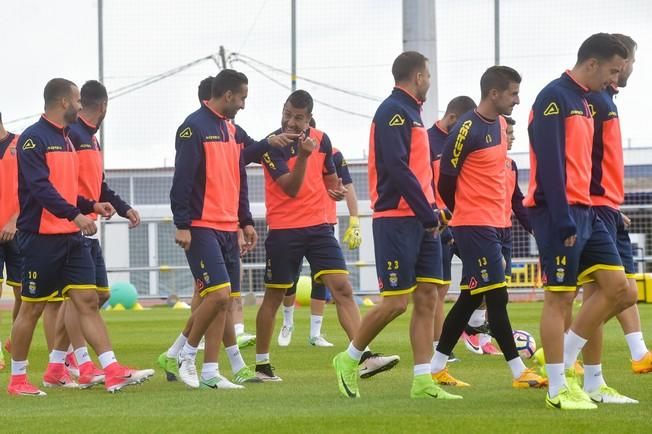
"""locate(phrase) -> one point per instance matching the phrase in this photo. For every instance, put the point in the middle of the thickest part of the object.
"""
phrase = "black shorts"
(214, 259)
(406, 254)
(483, 264)
(613, 222)
(447, 248)
(11, 259)
(101, 278)
(54, 264)
(564, 268)
(286, 248)
(317, 291)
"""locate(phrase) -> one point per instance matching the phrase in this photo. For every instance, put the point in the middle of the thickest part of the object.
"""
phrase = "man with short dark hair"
(295, 180)
(473, 178)
(574, 245)
(405, 227)
(57, 260)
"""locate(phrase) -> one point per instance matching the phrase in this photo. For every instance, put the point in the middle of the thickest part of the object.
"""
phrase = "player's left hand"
(352, 236)
(339, 193)
(104, 209)
(250, 238)
(626, 220)
(8, 232)
(134, 218)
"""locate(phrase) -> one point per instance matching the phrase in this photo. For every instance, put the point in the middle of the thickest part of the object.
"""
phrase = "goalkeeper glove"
(352, 235)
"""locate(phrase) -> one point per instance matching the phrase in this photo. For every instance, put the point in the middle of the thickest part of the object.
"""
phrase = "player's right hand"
(8, 232)
(306, 146)
(570, 241)
(282, 140)
(183, 238)
(85, 225)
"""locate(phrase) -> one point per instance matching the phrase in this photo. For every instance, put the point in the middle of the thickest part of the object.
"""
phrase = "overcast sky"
(349, 44)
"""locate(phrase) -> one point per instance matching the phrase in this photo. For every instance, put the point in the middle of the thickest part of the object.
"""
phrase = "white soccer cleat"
(377, 363)
(285, 337)
(319, 341)
(188, 370)
(608, 395)
(141, 375)
(219, 382)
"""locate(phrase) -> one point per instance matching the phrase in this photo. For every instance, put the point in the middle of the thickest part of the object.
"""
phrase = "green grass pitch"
(307, 401)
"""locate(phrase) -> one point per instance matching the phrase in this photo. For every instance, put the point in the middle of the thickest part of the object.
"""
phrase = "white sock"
(556, 378)
(438, 362)
(434, 347)
(81, 354)
(262, 358)
(288, 316)
(106, 359)
(173, 351)
(483, 338)
(315, 325)
(209, 370)
(593, 378)
(478, 317)
(637, 347)
(235, 358)
(239, 328)
(517, 366)
(18, 367)
(573, 344)
(354, 353)
(57, 357)
(188, 350)
(422, 369)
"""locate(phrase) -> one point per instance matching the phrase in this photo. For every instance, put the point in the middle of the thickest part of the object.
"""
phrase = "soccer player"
(9, 253)
(437, 135)
(574, 245)
(318, 294)
(295, 179)
(405, 228)
(477, 338)
(607, 194)
(472, 185)
(56, 257)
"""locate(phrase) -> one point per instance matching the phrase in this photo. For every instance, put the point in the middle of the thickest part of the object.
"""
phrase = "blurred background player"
(405, 227)
(296, 179)
(10, 257)
(574, 245)
(437, 135)
(472, 179)
(476, 335)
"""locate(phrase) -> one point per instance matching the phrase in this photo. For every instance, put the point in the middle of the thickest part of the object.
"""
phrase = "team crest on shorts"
(393, 280)
(32, 288)
(485, 275)
(560, 275)
(207, 278)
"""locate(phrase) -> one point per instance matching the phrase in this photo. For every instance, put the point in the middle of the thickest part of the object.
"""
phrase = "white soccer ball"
(525, 343)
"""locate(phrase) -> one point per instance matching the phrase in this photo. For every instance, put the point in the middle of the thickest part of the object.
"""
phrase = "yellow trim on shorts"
(103, 289)
(487, 288)
(69, 287)
(214, 288)
(12, 283)
(431, 280)
(235, 294)
(279, 285)
(631, 275)
(508, 279)
(322, 272)
(464, 287)
(39, 299)
(391, 293)
(560, 288)
(582, 278)
(446, 282)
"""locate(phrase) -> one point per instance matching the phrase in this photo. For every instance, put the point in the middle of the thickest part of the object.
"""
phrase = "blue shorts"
(446, 256)
(564, 268)
(615, 225)
(54, 264)
(11, 258)
(286, 248)
(214, 259)
(405, 255)
(101, 278)
(481, 251)
(317, 291)
(505, 235)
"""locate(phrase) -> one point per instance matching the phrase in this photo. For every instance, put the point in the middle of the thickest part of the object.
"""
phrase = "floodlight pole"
(497, 32)
(294, 45)
(100, 57)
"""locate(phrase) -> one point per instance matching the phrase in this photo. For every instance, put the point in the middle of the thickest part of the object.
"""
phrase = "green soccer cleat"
(346, 370)
(245, 340)
(246, 375)
(424, 387)
(574, 386)
(169, 365)
(565, 400)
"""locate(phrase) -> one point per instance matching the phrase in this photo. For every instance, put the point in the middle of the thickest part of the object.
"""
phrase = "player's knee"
(395, 305)
(629, 294)
(103, 297)
(30, 312)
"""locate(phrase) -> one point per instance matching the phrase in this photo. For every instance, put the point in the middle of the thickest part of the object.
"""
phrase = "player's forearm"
(351, 200)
